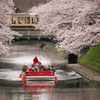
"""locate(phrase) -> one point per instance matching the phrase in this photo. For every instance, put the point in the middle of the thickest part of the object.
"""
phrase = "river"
(70, 86)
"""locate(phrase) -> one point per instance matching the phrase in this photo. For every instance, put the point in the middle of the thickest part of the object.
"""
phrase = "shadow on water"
(75, 83)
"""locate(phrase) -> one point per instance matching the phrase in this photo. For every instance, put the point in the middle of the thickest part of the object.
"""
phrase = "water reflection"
(77, 89)
(40, 89)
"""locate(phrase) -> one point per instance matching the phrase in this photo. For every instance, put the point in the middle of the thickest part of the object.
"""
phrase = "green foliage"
(52, 47)
(61, 53)
(92, 58)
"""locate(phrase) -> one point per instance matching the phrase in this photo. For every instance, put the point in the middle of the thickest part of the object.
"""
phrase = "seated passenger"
(36, 68)
(26, 68)
(42, 69)
(51, 68)
(23, 69)
(48, 67)
(32, 68)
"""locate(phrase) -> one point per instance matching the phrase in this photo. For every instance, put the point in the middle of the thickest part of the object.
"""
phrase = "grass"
(92, 58)
(53, 47)
(60, 52)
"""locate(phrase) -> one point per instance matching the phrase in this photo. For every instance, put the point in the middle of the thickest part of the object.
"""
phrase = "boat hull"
(40, 75)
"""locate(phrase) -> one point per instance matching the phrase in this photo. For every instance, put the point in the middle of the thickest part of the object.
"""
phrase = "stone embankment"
(91, 75)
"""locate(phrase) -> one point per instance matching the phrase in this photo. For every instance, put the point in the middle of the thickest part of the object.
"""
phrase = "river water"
(70, 86)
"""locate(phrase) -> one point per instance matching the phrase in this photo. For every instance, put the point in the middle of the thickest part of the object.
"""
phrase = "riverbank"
(56, 51)
(91, 75)
(92, 58)
(88, 67)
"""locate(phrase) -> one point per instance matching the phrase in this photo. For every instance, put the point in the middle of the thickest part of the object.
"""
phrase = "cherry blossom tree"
(6, 35)
(76, 22)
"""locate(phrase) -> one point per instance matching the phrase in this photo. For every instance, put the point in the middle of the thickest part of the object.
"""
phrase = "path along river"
(70, 86)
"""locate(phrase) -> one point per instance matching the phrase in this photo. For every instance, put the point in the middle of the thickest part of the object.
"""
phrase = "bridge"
(31, 33)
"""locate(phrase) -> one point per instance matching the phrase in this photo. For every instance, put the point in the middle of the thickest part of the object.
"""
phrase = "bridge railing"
(32, 33)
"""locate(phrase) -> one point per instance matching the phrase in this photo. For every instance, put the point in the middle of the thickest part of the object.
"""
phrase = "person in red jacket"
(35, 60)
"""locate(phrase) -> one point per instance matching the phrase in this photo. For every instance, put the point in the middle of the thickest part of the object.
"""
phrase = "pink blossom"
(76, 22)
(6, 35)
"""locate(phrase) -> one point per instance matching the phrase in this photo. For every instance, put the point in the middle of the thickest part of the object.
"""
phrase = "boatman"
(35, 61)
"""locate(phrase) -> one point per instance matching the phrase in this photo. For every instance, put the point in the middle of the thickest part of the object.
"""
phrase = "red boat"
(44, 75)
(38, 75)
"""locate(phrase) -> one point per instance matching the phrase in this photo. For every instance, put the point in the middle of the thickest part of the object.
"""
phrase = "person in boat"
(48, 67)
(24, 69)
(27, 69)
(35, 60)
(37, 68)
(42, 69)
(32, 68)
(51, 68)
